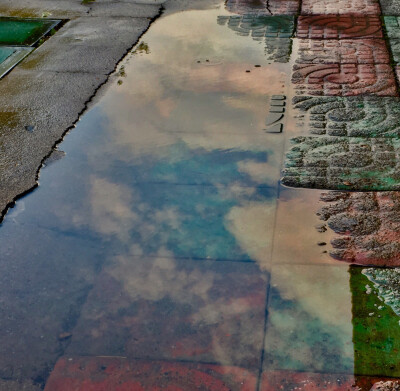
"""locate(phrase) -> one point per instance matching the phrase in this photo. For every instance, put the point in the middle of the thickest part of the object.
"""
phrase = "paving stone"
(376, 317)
(309, 325)
(307, 381)
(361, 116)
(119, 374)
(263, 7)
(390, 7)
(12, 385)
(326, 7)
(339, 27)
(392, 26)
(346, 51)
(215, 311)
(260, 26)
(368, 226)
(274, 31)
(395, 49)
(344, 79)
(338, 163)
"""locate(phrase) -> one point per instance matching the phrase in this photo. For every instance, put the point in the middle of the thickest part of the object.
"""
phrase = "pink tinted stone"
(339, 27)
(344, 79)
(326, 7)
(119, 374)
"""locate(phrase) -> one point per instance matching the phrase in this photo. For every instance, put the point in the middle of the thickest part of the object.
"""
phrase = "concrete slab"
(81, 45)
(113, 373)
(215, 311)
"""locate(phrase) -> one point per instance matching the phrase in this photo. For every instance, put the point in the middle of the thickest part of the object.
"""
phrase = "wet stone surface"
(215, 312)
(263, 7)
(349, 116)
(273, 31)
(344, 79)
(339, 163)
(321, 7)
(160, 250)
(339, 27)
(260, 26)
(112, 373)
(345, 51)
(390, 7)
(298, 337)
(367, 224)
(308, 381)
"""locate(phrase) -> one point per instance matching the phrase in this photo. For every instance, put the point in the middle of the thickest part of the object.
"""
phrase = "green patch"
(24, 32)
(376, 328)
(142, 48)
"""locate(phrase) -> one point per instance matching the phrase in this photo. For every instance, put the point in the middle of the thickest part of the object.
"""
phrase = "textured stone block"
(274, 31)
(119, 374)
(260, 26)
(392, 26)
(263, 7)
(367, 224)
(359, 116)
(338, 163)
(344, 79)
(390, 7)
(326, 7)
(345, 51)
(339, 27)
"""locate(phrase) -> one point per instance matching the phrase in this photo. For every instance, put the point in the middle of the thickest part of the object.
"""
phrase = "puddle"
(152, 239)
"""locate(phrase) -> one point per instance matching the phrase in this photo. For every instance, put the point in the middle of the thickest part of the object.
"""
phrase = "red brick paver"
(326, 7)
(344, 79)
(119, 374)
(346, 51)
(339, 27)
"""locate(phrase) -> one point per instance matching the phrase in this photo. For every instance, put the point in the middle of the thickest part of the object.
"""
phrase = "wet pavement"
(162, 249)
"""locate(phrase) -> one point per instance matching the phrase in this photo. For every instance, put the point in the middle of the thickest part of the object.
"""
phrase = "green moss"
(376, 330)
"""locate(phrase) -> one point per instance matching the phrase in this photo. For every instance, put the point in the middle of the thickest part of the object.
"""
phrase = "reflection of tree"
(376, 329)
(274, 31)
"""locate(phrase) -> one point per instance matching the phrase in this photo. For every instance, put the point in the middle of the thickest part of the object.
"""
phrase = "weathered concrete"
(54, 85)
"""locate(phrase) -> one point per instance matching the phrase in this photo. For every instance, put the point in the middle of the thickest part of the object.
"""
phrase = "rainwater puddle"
(159, 245)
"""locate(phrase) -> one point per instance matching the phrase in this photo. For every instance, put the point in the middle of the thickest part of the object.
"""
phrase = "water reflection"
(151, 240)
